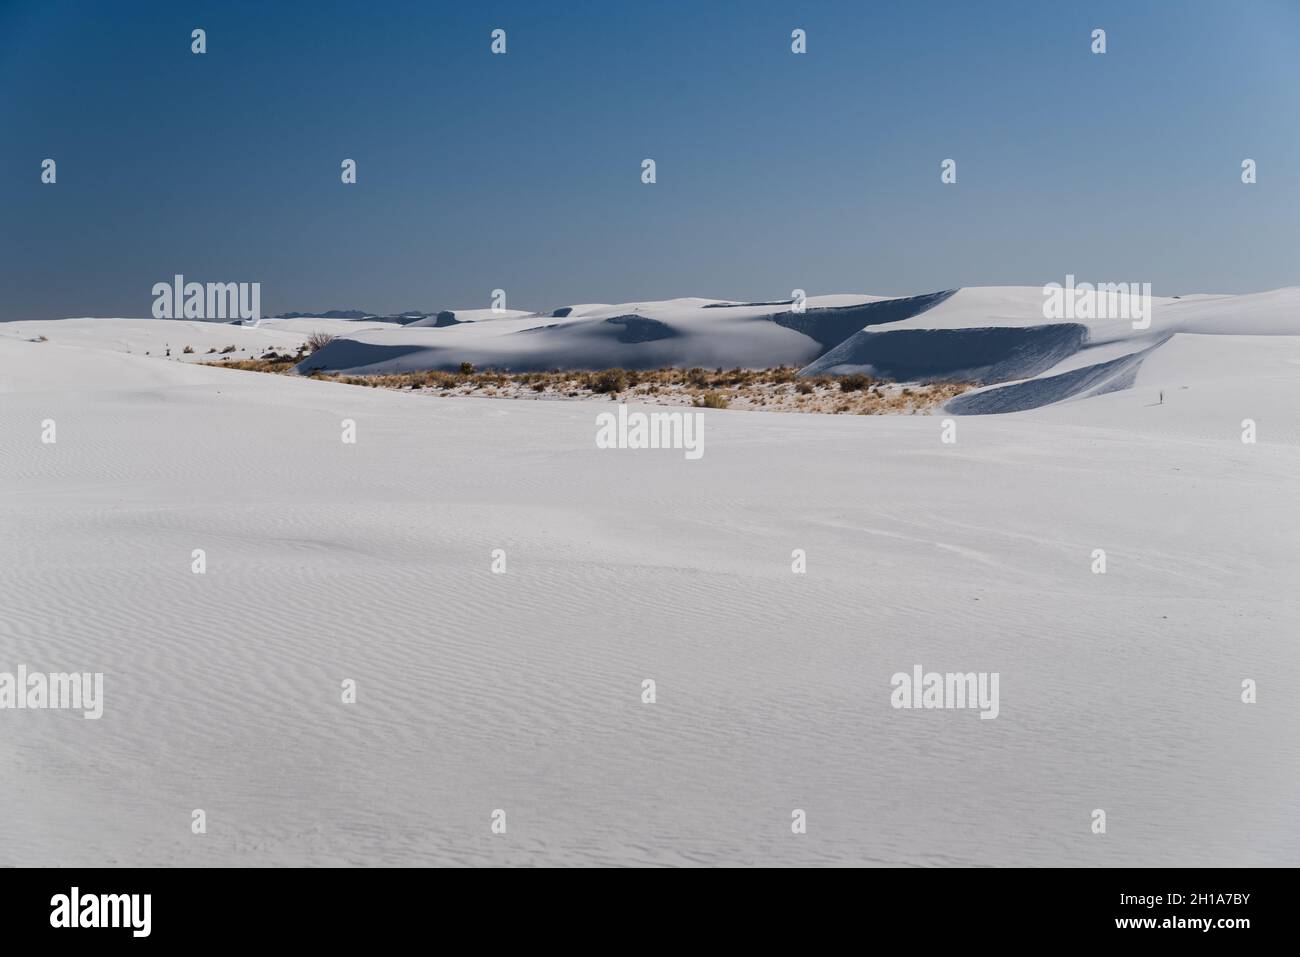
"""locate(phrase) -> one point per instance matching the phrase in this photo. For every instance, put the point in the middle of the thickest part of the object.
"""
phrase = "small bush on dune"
(711, 400)
(187, 350)
(804, 387)
(226, 351)
(467, 368)
(318, 341)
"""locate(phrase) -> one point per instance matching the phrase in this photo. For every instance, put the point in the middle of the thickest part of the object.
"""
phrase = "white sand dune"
(453, 316)
(998, 336)
(644, 335)
(995, 336)
(522, 691)
(157, 336)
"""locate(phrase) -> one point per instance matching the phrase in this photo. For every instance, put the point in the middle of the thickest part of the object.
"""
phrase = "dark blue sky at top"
(522, 171)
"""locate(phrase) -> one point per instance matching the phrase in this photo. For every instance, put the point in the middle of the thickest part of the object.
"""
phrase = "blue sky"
(522, 171)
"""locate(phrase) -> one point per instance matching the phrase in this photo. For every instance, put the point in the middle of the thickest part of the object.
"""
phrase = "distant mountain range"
(401, 317)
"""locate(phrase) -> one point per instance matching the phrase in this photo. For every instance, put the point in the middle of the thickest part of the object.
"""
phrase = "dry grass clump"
(610, 380)
(711, 400)
(855, 382)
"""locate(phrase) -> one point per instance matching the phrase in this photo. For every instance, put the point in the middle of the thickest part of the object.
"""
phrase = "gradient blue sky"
(522, 171)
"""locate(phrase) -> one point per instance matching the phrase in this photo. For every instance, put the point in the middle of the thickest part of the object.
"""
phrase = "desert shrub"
(225, 351)
(854, 382)
(187, 350)
(804, 387)
(610, 380)
(711, 400)
(697, 377)
(782, 374)
(467, 368)
(319, 340)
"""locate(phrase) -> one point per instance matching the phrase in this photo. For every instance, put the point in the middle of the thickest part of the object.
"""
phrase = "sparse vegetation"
(188, 350)
(228, 350)
(776, 390)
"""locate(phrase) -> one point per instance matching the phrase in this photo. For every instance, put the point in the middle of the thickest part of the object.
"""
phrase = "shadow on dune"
(1111, 376)
(831, 325)
(350, 354)
(641, 329)
(985, 356)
